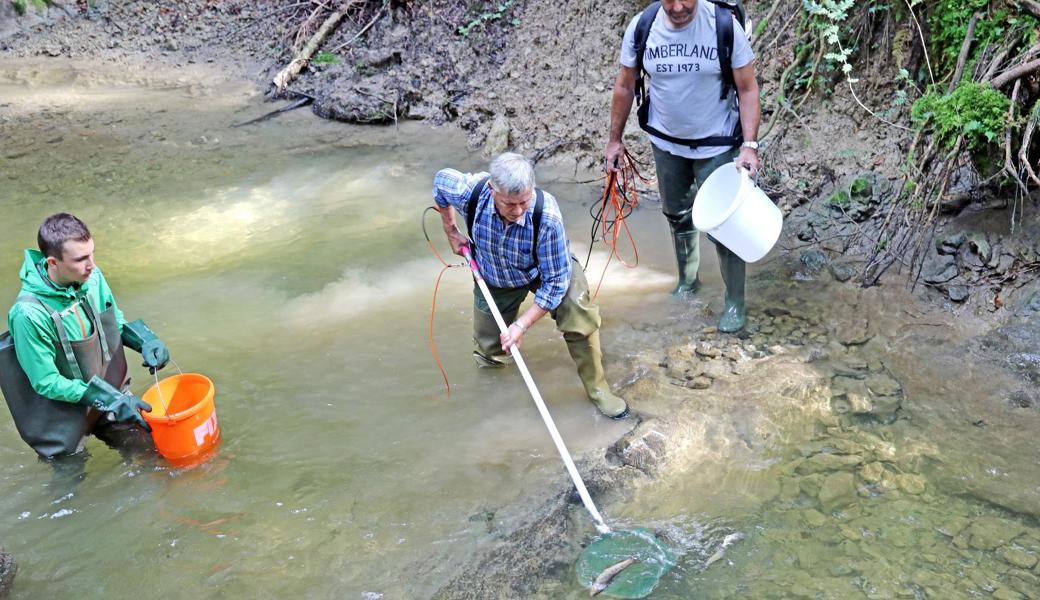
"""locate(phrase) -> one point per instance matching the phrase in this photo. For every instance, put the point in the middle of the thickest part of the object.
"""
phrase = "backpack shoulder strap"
(471, 207)
(724, 15)
(642, 33)
(536, 221)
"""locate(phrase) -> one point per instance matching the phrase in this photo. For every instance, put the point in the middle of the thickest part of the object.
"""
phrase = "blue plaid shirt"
(504, 251)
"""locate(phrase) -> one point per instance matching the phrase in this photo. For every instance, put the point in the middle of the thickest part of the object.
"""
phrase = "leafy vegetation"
(487, 15)
(325, 58)
(22, 6)
(973, 110)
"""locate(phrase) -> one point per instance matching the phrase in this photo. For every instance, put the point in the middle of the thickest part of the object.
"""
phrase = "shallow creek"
(285, 260)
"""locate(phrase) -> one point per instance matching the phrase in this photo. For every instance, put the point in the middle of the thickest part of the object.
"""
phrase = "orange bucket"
(183, 417)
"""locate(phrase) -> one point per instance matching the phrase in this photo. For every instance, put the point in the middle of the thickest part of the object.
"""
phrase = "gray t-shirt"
(685, 79)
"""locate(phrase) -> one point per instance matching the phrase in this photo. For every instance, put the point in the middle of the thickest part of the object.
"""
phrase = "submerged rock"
(837, 490)
(7, 570)
(1017, 557)
(989, 533)
(820, 463)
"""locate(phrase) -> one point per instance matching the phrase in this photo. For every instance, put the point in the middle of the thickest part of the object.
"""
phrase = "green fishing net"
(639, 579)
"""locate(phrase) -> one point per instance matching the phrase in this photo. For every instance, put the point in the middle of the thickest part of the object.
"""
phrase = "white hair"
(512, 173)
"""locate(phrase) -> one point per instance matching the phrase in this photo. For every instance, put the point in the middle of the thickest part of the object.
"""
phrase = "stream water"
(285, 260)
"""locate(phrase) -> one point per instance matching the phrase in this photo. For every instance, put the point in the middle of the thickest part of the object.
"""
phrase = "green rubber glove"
(139, 338)
(124, 407)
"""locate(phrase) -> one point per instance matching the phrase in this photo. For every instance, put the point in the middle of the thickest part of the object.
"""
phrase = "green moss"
(840, 198)
(948, 25)
(325, 58)
(860, 187)
(974, 110)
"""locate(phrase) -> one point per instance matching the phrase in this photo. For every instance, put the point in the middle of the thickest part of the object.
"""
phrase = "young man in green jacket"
(62, 367)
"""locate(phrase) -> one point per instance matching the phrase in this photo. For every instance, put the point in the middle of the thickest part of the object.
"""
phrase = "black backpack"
(725, 12)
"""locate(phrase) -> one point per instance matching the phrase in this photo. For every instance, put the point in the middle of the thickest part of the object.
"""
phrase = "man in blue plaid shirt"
(505, 222)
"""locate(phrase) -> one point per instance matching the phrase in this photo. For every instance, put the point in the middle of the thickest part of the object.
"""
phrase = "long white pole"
(586, 499)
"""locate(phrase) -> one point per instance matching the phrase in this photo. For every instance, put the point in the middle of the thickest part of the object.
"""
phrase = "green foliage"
(860, 187)
(760, 28)
(22, 6)
(325, 58)
(828, 16)
(948, 24)
(974, 110)
(486, 16)
(840, 198)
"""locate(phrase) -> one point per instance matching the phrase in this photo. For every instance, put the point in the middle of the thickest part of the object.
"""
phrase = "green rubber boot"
(688, 259)
(589, 358)
(487, 345)
(734, 316)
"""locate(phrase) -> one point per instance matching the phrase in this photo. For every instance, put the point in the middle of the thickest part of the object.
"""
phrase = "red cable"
(433, 305)
(612, 211)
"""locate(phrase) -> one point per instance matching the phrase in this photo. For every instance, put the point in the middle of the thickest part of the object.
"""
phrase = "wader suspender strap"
(98, 327)
(724, 45)
(536, 218)
(66, 345)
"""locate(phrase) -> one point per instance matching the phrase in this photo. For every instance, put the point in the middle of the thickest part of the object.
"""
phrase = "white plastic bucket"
(737, 213)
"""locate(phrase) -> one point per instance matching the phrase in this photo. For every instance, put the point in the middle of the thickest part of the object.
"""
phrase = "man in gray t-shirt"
(684, 89)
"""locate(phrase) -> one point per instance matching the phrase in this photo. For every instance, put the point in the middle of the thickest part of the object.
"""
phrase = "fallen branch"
(1027, 137)
(286, 75)
(1012, 74)
(1009, 165)
(969, 37)
(303, 100)
(1030, 6)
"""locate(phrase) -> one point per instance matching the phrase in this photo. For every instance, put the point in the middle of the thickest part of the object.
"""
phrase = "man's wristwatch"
(520, 326)
(752, 145)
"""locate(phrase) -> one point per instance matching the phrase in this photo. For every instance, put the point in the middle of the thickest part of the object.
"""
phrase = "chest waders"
(53, 427)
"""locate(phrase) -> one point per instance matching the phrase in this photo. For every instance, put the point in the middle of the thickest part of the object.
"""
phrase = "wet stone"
(838, 489)
(989, 533)
(940, 269)
(1025, 583)
(872, 472)
(841, 272)
(853, 332)
(911, 484)
(811, 484)
(699, 383)
(814, 518)
(821, 463)
(958, 293)
(953, 526)
(708, 351)
(644, 448)
(949, 243)
(777, 311)
(883, 385)
(1003, 593)
(1017, 557)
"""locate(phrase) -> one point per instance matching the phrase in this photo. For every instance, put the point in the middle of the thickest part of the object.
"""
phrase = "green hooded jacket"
(36, 341)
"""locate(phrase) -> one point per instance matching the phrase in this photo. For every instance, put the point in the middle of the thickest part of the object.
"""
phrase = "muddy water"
(286, 261)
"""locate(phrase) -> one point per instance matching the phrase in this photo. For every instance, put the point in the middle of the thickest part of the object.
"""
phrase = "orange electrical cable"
(618, 200)
(433, 304)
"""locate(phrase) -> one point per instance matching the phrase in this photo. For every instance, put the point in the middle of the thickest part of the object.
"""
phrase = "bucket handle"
(158, 389)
